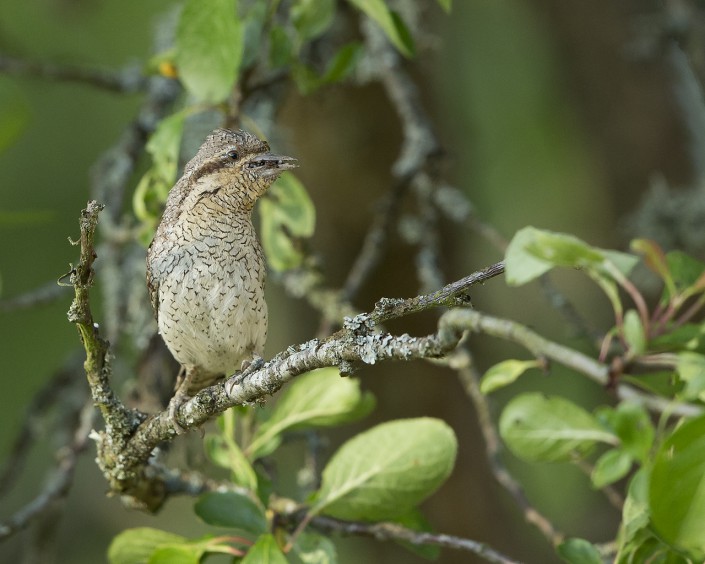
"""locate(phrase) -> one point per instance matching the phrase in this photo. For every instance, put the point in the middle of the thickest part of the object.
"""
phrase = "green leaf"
(388, 470)
(176, 555)
(286, 214)
(686, 270)
(579, 551)
(635, 513)
(321, 398)
(253, 25)
(390, 22)
(164, 145)
(632, 424)
(505, 373)
(312, 18)
(337, 69)
(655, 259)
(533, 252)
(415, 520)
(209, 47)
(136, 546)
(677, 488)
(14, 112)
(610, 467)
(537, 428)
(231, 509)
(634, 332)
(154, 186)
(312, 548)
(342, 64)
(691, 370)
(281, 50)
(446, 5)
(226, 453)
(265, 551)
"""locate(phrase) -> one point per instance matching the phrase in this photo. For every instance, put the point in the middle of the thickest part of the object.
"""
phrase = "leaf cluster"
(379, 475)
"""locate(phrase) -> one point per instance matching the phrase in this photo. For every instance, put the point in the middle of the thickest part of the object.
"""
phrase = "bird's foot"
(180, 398)
(252, 365)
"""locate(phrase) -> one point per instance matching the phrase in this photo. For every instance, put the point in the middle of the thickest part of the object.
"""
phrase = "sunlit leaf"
(209, 48)
(632, 424)
(677, 488)
(318, 399)
(533, 252)
(538, 428)
(183, 554)
(390, 22)
(505, 373)
(634, 332)
(388, 470)
(613, 465)
(265, 551)
(135, 546)
(691, 370)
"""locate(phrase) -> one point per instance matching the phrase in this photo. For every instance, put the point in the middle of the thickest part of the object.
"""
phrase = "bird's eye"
(233, 155)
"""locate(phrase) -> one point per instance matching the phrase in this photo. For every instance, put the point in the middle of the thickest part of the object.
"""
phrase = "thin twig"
(43, 295)
(25, 438)
(124, 81)
(60, 482)
(462, 362)
(394, 531)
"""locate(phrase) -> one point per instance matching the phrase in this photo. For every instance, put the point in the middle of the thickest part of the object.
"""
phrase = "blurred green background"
(547, 120)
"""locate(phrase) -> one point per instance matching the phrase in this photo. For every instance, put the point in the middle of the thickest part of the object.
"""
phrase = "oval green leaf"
(321, 398)
(690, 367)
(265, 551)
(209, 47)
(537, 428)
(579, 551)
(677, 488)
(390, 22)
(505, 373)
(231, 509)
(610, 467)
(176, 555)
(388, 470)
(634, 332)
(136, 546)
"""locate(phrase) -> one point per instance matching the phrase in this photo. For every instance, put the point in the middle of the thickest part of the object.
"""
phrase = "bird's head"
(236, 163)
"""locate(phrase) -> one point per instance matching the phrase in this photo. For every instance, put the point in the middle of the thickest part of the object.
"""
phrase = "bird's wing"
(152, 284)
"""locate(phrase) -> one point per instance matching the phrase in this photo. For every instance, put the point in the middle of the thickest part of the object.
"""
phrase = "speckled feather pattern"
(205, 267)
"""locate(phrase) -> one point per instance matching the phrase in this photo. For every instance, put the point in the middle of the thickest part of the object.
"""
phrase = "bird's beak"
(269, 164)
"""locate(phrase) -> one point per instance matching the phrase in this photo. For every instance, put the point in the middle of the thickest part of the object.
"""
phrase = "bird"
(205, 266)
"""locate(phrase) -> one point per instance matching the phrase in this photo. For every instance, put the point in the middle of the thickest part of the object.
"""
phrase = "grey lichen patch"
(360, 325)
(387, 306)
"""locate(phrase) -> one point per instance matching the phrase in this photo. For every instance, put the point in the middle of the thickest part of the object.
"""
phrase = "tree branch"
(128, 80)
(394, 531)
